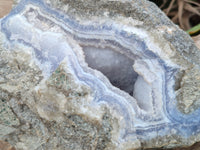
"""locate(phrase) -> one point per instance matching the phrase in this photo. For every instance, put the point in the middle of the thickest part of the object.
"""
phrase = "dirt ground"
(5, 7)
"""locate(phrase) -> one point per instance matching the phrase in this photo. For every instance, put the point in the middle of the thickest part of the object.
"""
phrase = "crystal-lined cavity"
(117, 67)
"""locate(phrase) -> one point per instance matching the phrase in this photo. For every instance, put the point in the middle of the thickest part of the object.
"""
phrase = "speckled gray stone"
(97, 74)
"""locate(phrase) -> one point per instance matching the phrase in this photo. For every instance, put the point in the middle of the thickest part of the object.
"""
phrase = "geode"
(96, 74)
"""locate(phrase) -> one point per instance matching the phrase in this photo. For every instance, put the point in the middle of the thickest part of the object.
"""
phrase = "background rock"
(97, 75)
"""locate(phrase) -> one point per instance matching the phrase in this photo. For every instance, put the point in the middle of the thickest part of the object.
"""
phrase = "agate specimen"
(96, 74)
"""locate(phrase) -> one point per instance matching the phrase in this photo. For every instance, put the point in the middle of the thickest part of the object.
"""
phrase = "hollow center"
(117, 67)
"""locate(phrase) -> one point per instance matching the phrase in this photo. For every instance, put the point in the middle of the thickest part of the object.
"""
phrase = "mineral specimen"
(96, 74)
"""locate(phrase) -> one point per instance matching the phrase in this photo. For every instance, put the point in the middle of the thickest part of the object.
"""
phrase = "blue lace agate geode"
(96, 80)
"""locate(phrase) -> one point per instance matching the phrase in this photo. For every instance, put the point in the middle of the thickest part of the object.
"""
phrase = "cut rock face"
(96, 75)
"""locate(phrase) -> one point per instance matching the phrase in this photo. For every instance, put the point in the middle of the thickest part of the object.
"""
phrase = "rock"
(196, 40)
(97, 75)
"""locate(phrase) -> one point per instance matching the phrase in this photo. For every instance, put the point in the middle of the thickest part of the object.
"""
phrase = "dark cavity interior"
(117, 67)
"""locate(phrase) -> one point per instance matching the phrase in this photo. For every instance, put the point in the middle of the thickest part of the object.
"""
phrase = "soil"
(5, 7)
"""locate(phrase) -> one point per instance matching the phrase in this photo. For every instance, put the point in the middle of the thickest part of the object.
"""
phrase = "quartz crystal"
(96, 74)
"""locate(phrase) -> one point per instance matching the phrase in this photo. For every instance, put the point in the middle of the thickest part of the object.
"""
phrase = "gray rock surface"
(96, 74)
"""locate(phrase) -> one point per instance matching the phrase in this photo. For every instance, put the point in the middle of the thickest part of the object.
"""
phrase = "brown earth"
(5, 7)
(6, 146)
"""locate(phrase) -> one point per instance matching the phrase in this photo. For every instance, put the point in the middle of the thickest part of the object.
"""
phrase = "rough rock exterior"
(96, 74)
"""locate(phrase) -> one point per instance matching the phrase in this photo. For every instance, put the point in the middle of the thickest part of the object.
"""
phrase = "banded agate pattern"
(123, 79)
